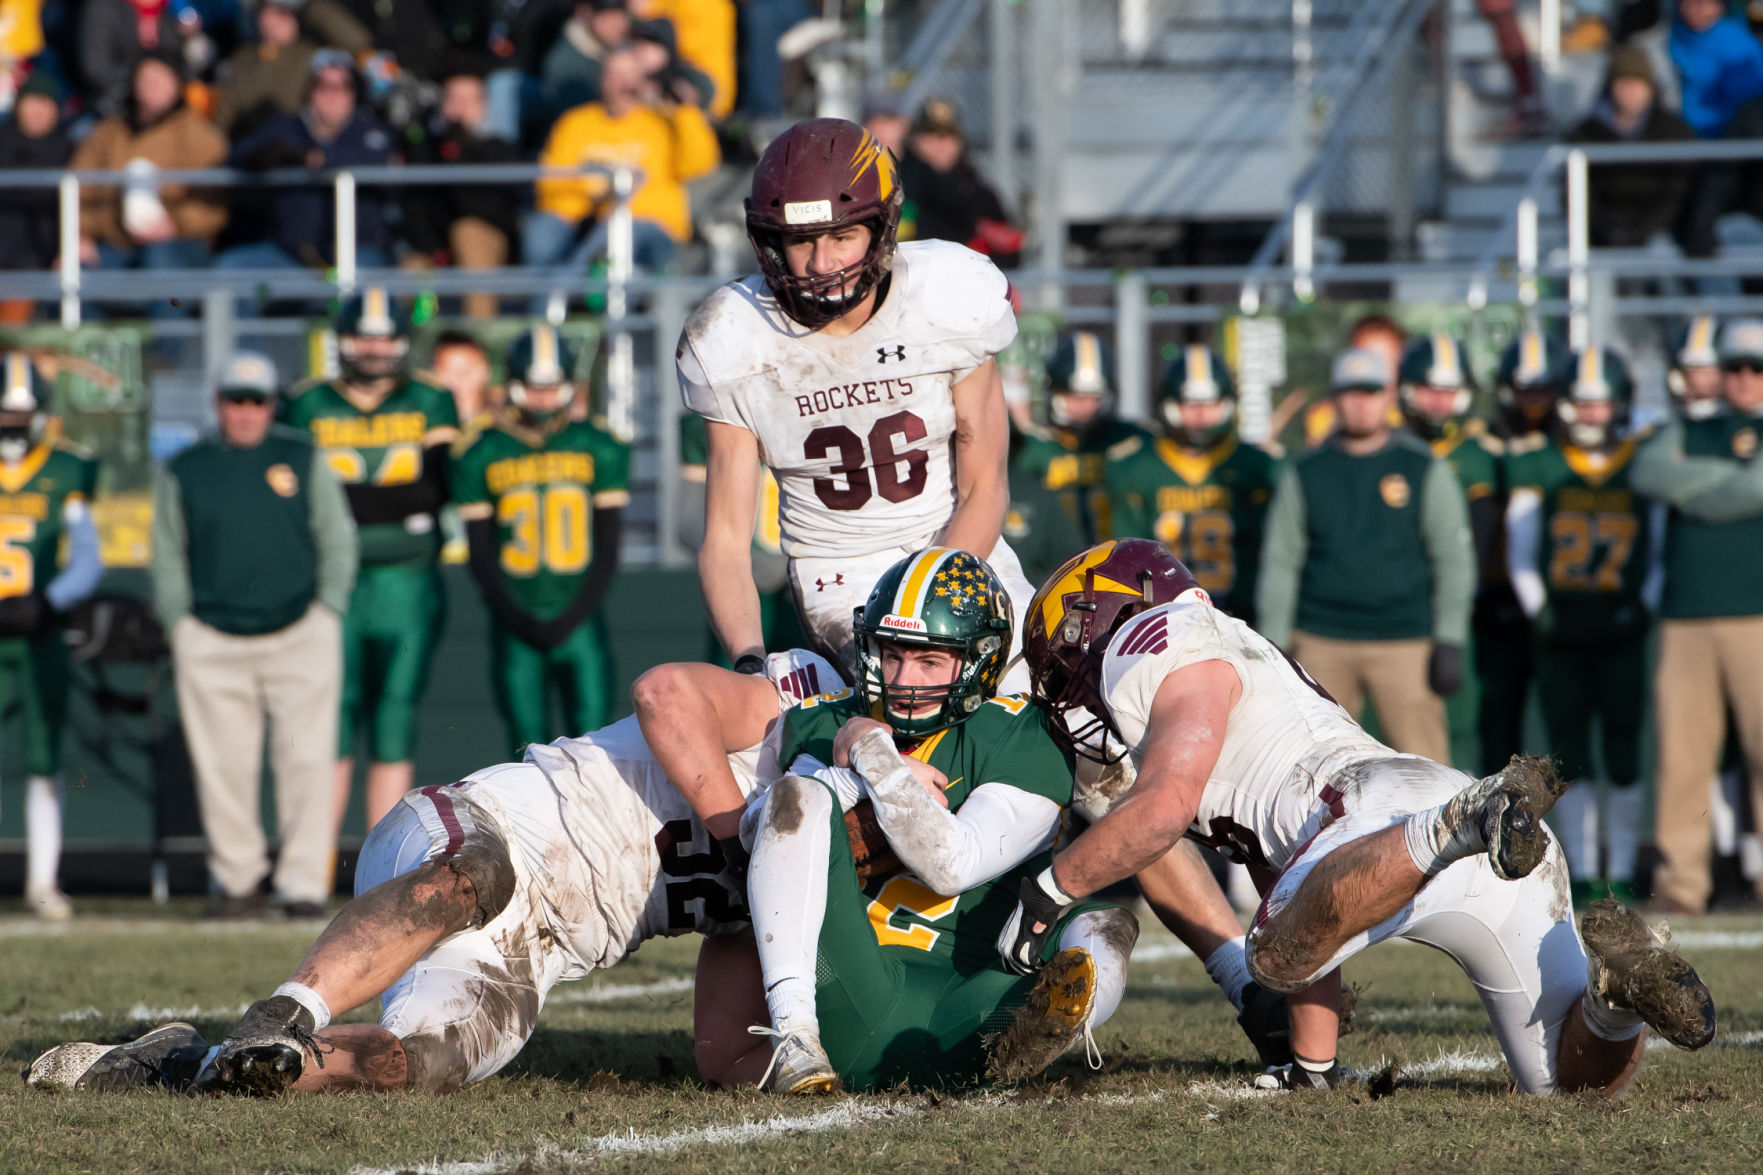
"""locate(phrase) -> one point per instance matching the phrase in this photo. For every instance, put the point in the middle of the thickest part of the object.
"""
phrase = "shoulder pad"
(1120, 450)
(1491, 444)
(1528, 443)
(472, 431)
(1014, 704)
(838, 695)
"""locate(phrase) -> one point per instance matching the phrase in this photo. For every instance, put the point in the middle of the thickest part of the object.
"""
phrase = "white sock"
(1622, 828)
(1110, 956)
(1607, 1021)
(1723, 813)
(786, 887)
(1575, 818)
(1432, 848)
(1229, 968)
(42, 815)
(308, 999)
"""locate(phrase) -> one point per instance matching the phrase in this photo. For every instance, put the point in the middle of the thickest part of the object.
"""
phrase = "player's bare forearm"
(1177, 755)
(692, 716)
(725, 561)
(982, 443)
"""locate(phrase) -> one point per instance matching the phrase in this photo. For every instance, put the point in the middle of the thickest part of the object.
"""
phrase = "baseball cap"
(1359, 369)
(1742, 342)
(247, 375)
(937, 117)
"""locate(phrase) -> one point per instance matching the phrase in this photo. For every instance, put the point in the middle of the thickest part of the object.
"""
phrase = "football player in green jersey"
(541, 497)
(1198, 489)
(1585, 553)
(46, 490)
(1694, 379)
(1071, 454)
(387, 435)
(894, 977)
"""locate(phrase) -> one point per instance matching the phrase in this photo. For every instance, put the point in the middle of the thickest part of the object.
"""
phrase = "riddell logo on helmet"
(808, 212)
(904, 623)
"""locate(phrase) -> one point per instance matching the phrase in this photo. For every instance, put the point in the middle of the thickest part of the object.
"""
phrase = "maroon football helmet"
(1077, 610)
(821, 174)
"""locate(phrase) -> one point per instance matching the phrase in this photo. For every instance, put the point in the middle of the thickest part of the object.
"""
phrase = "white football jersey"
(859, 431)
(614, 827)
(1285, 740)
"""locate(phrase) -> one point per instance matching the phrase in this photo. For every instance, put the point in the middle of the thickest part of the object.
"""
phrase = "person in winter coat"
(31, 136)
(1632, 202)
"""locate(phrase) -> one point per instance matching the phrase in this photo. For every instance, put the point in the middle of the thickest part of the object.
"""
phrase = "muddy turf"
(608, 1081)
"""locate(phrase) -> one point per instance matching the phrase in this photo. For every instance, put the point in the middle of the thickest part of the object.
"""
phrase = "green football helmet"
(1599, 377)
(1081, 365)
(372, 314)
(1197, 376)
(1435, 361)
(540, 358)
(1535, 369)
(24, 406)
(1694, 375)
(938, 598)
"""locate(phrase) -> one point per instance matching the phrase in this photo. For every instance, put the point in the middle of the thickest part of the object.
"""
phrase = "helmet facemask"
(1169, 411)
(954, 701)
(362, 366)
(817, 299)
(19, 434)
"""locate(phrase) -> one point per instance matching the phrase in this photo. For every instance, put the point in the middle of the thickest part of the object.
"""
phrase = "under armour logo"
(897, 351)
(820, 585)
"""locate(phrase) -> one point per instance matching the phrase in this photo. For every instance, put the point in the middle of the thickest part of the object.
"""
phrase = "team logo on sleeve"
(1150, 635)
(1744, 444)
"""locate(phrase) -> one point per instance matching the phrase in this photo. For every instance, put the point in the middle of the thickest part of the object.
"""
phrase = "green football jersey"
(1597, 539)
(380, 445)
(1042, 527)
(33, 495)
(1007, 740)
(1474, 457)
(542, 490)
(1209, 508)
(1074, 465)
(694, 460)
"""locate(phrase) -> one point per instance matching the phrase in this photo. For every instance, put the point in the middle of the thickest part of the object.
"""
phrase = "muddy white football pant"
(829, 591)
(1516, 940)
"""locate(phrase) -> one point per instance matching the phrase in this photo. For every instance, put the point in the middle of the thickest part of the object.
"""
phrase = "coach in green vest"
(1711, 624)
(254, 557)
(1368, 570)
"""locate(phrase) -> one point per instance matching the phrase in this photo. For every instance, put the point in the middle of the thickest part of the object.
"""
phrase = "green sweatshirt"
(1708, 472)
(1373, 547)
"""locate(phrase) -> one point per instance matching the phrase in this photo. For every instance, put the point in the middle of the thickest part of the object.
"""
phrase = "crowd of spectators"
(661, 86)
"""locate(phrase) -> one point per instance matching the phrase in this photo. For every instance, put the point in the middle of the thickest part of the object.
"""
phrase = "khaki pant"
(226, 685)
(1394, 674)
(477, 244)
(1704, 666)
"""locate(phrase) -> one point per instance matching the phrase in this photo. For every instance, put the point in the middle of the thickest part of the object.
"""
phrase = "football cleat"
(264, 1053)
(64, 1065)
(1295, 1076)
(799, 1065)
(1630, 966)
(1056, 1016)
(167, 1057)
(1508, 809)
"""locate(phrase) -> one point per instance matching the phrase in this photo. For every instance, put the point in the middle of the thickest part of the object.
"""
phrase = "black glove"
(1266, 1021)
(1444, 669)
(1038, 909)
(25, 615)
(750, 663)
(735, 862)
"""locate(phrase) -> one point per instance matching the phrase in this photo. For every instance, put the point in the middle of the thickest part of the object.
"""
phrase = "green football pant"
(36, 673)
(578, 673)
(1504, 665)
(900, 1013)
(1576, 682)
(395, 618)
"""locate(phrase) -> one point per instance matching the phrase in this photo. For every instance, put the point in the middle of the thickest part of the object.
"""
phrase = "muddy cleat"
(1631, 967)
(264, 1053)
(167, 1057)
(1507, 809)
(1056, 1016)
(63, 1066)
(799, 1065)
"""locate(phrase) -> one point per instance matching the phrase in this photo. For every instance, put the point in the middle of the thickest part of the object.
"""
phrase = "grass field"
(608, 1081)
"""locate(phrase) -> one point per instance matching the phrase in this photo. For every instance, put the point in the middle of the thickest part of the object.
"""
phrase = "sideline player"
(1352, 843)
(47, 497)
(387, 435)
(542, 497)
(473, 901)
(862, 374)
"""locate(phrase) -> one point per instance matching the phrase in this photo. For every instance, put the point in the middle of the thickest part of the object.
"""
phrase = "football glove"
(1444, 669)
(1266, 1021)
(1039, 906)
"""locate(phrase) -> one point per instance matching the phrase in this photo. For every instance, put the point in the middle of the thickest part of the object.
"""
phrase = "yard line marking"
(605, 993)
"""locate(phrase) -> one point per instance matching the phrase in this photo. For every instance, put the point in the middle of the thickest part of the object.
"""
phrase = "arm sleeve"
(171, 567)
(1444, 523)
(483, 546)
(373, 504)
(85, 562)
(1738, 498)
(1711, 489)
(333, 533)
(1524, 535)
(1485, 522)
(608, 528)
(1282, 560)
(998, 827)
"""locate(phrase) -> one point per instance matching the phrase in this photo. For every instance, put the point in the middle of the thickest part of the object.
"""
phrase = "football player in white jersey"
(861, 373)
(473, 900)
(1350, 843)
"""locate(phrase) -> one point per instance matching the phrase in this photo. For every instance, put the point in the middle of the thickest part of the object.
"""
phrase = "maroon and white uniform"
(859, 430)
(1298, 778)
